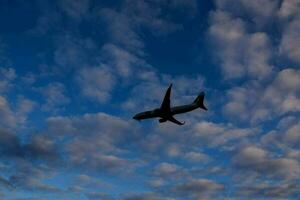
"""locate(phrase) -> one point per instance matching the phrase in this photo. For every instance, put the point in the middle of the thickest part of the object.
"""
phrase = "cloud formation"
(240, 52)
(67, 101)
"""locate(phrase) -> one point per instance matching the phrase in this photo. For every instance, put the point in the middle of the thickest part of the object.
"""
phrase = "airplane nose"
(137, 117)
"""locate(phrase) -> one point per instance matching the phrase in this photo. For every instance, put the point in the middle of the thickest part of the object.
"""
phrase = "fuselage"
(165, 114)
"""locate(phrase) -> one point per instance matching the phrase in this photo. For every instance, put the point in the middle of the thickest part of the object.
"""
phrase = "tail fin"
(199, 100)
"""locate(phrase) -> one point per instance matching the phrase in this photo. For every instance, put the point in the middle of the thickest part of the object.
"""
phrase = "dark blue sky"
(74, 72)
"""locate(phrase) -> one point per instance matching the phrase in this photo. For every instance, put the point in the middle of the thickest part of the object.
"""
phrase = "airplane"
(166, 112)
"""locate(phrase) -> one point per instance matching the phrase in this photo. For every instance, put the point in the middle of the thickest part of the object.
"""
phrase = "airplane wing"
(172, 119)
(166, 102)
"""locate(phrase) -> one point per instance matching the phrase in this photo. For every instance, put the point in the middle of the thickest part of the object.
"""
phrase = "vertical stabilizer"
(165, 106)
(200, 100)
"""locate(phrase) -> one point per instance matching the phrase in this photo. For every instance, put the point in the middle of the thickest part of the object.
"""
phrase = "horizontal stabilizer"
(162, 120)
(172, 119)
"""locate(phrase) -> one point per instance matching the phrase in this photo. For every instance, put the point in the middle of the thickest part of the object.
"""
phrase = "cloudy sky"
(74, 72)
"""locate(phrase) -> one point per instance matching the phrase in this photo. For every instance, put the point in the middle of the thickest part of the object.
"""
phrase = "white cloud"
(284, 138)
(118, 24)
(290, 42)
(289, 8)
(288, 79)
(251, 10)
(76, 9)
(96, 83)
(8, 73)
(197, 157)
(150, 15)
(73, 52)
(258, 160)
(42, 147)
(156, 183)
(98, 195)
(86, 181)
(12, 114)
(144, 196)
(292, 135)
(24, 108)
(261, 102)
(7, 76)
(221, 135)
(294, 154)
(54, 95)
(107, 163)
(96, 141)
(125, 64)
(47, 21)
(168, 171)
(173, 150)
(283, 92)
(269, 190)
(198, 188)
(32, 177)
(240, 53)
(7, 116)
(88, 125)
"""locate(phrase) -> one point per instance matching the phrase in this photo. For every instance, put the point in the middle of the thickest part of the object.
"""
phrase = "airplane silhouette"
(166, 112)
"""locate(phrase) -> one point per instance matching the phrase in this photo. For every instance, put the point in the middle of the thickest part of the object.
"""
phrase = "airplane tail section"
(200, 101)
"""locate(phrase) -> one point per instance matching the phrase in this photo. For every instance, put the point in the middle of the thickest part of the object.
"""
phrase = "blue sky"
(74, 72)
